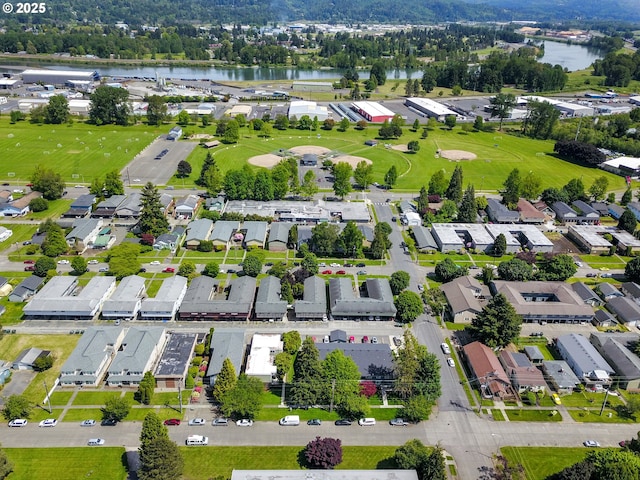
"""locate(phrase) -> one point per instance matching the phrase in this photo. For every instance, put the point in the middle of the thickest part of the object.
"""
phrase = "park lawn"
(60, 347)
(608, 261)
(81, 414)
(41, 412)
(97, 463)
(138, 414)
(78, 152)
(60, 397)
(94, 398)
(540, 462)
(221, 461)
(524, 415)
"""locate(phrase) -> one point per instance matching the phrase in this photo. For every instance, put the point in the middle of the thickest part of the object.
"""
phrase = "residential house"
(423, 239)
(5, 234)
(525, 377)
(635, 209)
(564, 213)
(601, 207)
(626, 310)
(6, 196)
(313, 305)
(225, 343)
(269, 303)
(137, 354)
(198, 231)
(589, 214)
(107, 208)
(222, 233)
(204, 301)
(587, 295)
(84, 233)
(534, 354)
(167, 241)
(5, 287)
(608, 291)
(173, 365)
(28, 357)
(186, 206)
(26, 289)
(88, 363)
(345, 305)
(631, 290)
(126, 300)
(615, 211)
(549, 213)
(18, 207)
(215, 204)
(499, 213)
(615, 348)
(278, 236)
(466, 298)
(603, 318)
(560, 376)
(487, 372)
(164, 306)
(166, 202)
(255, 235)
(175, 134)
(130, 207)
(80, 207)
(529, 213)
(585, 361)
(367, 235)
(374, 361)
(262, 354)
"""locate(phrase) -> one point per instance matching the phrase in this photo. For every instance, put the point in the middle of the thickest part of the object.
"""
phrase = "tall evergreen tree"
(497, 324)
(423, 201)
(152, 219)
(512, 187)
(391, 177)
(161, 460)
(438, 183)
(468, 210)
(152, 428)
(454, 190)
(225, 380)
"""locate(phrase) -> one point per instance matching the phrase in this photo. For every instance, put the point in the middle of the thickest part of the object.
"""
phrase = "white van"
(197, 440)
(290, 420)
(367, 422)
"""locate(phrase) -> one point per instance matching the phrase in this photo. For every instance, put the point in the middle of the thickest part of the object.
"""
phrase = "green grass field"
(540, 462)
(79, 152)
(497, 154)
(220, 461)
(97, 463)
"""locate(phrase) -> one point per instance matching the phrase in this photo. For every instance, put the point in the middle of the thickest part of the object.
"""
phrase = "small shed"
(371, 143)
(534, 354)
(309, 160)
(174, 134)
(27, 358)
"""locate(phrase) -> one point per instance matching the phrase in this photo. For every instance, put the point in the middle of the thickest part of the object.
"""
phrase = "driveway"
(20, 380)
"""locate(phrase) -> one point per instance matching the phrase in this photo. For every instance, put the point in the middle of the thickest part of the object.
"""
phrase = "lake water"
(572, 57)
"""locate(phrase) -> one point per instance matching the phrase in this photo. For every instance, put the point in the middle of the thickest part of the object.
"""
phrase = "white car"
(63, 262)
(445, 348)
(49, 422)
(335, 265)
(367, 422)
(197, 421)
(322, 264)
(95, 441)
(155, 262)
(18, 422)
(451, 362)
(591, 443)
(88, 423)
(245, 422)
(93, 262)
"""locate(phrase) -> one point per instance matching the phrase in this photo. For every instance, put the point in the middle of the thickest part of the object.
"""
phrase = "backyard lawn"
(540, 462)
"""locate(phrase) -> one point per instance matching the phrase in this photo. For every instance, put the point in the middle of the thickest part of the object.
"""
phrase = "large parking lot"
(145, 168)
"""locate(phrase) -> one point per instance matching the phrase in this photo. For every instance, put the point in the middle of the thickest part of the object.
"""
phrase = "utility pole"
(46, 390)
(604, 402)
(180, 397)
(333, 391)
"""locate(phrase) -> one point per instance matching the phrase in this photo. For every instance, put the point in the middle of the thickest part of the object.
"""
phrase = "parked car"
(591, 443)
(29, 262)
(445, 348)
(326, 272)
(26, 242)
(172, 421)
(352, 339)
(93, 262)
(325, 339)
(397, 341)
(451, 362)
(29, 268)
(367, 422)
(343, 422)
(334, 265)
(316, 422)
(220, 422)
(592, 275)
(109, 422)
(93, 442)
(341, 272)
(365, 339)
(63, 262)
(556, 399)
(18, 422)
(398, 422)
(104, 269)
(169, 270)
(360, 265)
(245, 422)
(348, 265)
(374, 339)
(197, 422)
(49, 422)
(155, 262)
(361, 272)
(322, 264)
(88, 423)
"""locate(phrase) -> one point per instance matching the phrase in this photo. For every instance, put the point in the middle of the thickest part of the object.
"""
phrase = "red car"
(352, 339)
(172, 421)
(341, 272)
(29, 268)
(326, 272)
(28, 262)
(169, 270)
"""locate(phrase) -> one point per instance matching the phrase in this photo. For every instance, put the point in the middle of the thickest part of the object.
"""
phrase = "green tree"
(263, 186)
(6, 467)
(324, 238)
(411, 455)
(113, 184)
(123, 260)
(399, 281)
(343, 125)
(291, 342)
(632, 270)
(454, 190)
(614, 464)
(57, 111)
(309, 186)
(281, 122)
(497, 324)
(309, 263)
(531, 186)
(47, 182)
(280, 176)
(160, 460)
(232, 132)
(343, 374)
(450, 121)
(350, 240)
(244, 400)
(116, 408)
(500, 245)
(379, 70)
(79, 265)
(438, 183)
(446, 270)
(54, 242)
(17, 406)
(363, 174)
(515, 270)
(557, 269)
(152, 219)
(183, 118)
(628, 221)
(184, 169)
(409, 306)
(501, 106)
(43, 266)
(157, 112)
(598, 188)
(540, 120)
(478, 123)
(574, 190)
(391, 177)
(342, 179)
(627, 196)
(512, 186)
(146, 388)
(225, 381)
(413, 146)
(308, 386)
(109, 105)
(468, 211)
(41, 364)
(152, 428)
(252, 264)
(434, 468)
(211, 269)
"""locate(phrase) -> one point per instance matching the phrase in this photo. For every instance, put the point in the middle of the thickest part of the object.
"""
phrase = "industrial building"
(373, 111)
(58, 77)
(566, 108)
(431, 108)
(626, 166)
(300, 108)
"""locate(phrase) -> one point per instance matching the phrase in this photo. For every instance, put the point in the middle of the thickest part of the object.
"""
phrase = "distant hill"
(338, 11)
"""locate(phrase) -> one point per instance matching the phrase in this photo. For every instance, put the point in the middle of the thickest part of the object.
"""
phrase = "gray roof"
(177, 355)
(167, 299)
(585, 292)
(533, 352)
(465, 294)
(256, 231)
(27, 287)
(223, 229)
(631, 288)
(407, 206)
(585, 208)
(112, 202)
(199, 296)
(29, 355)
(623, 360)
(134, 353)
(131, 206)
(227, 343)
(279, 232)
(500, 213)
(583, 354)
(367, 232)
(344, 302)
(84, 201)
(561, 373)
(373, 360)
(59, 298)
(608, 290)
(314, 300)
(126, 298)
(268, 301)
(562, 209)
(199, 229)
(626, 309)
(603, 316)
(423, 237)
(167, 238)
(188, 202)
(94, 348)
(82, 227)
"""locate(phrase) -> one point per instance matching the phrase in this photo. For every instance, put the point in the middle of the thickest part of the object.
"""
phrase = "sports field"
(79, 152)
(497, 154)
